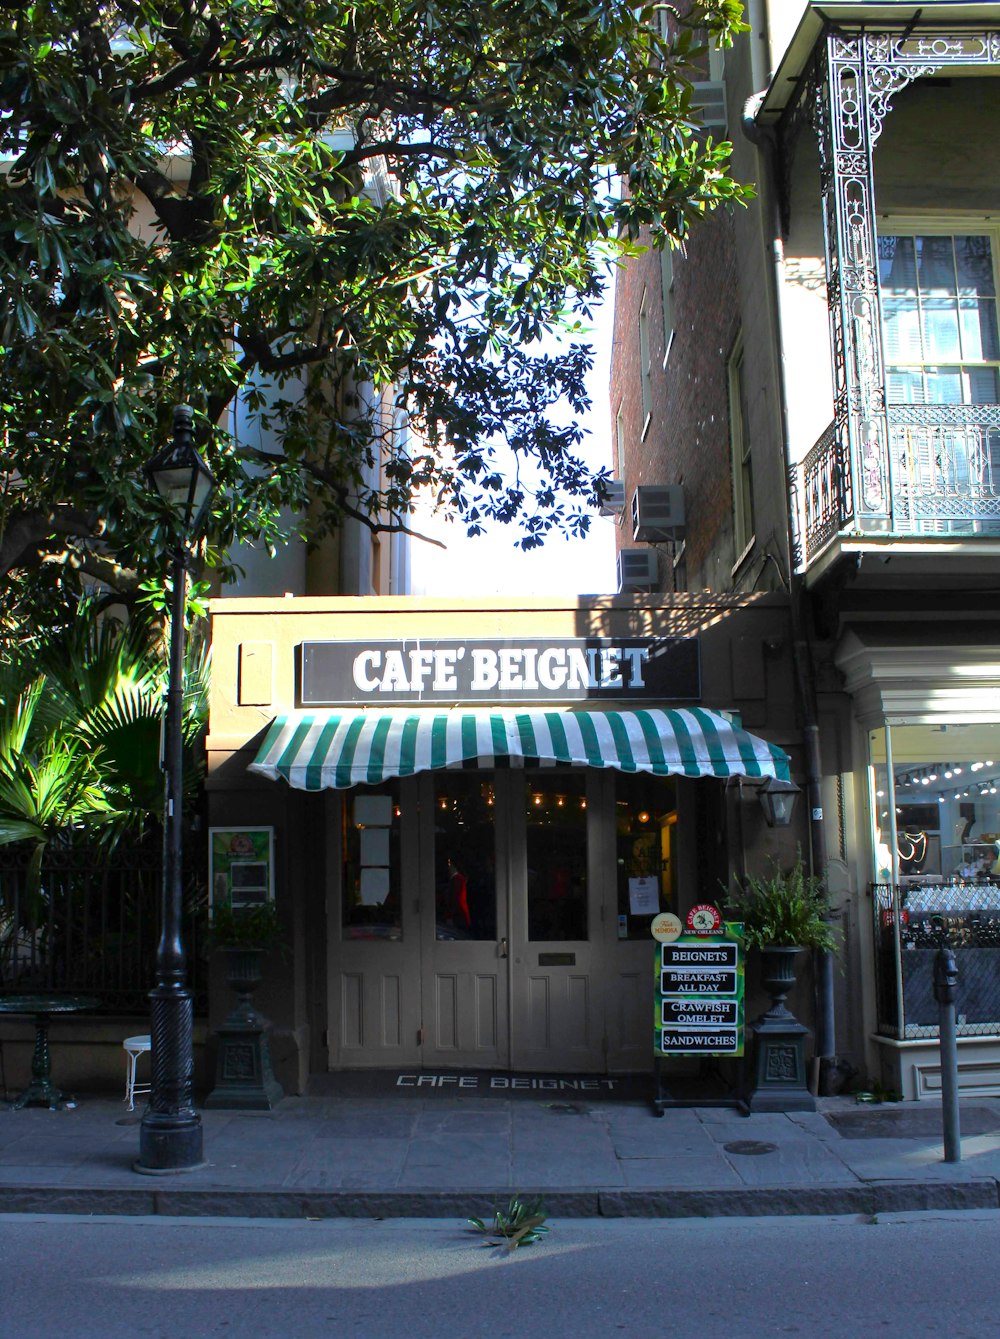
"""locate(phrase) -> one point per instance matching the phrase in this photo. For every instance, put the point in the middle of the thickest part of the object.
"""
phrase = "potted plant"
(783, 912)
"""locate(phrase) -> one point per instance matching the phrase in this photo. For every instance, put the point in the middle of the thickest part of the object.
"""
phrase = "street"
(101, 1278)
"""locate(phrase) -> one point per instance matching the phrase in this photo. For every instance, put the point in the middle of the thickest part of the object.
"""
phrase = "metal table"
(41, 1091)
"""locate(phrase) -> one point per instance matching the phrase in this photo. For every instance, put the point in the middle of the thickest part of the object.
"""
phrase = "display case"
(968, 860)
(911, 923)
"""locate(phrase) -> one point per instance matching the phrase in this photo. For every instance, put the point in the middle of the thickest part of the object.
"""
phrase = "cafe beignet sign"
(383, 673)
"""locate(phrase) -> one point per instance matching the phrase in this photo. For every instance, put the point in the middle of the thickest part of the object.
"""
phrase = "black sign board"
(704, 1041)
(449, 670)
(688, 1013)
(699, 996)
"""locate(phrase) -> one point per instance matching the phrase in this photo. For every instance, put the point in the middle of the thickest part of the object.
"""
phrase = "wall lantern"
(777, 799)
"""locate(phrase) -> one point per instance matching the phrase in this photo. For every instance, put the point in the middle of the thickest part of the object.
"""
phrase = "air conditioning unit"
(708, 98)
(638, 569)
(658, 512)
(613, 497)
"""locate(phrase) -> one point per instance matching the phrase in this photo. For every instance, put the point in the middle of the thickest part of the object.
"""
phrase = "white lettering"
(636, 656)
(394, 677)
(484, 669)
(611, 671)
(552, 668)
(406, 1081)
(510, 669)
(444, 670)
(581, 674)
(365, 661)
(420, 667)
(530, 656)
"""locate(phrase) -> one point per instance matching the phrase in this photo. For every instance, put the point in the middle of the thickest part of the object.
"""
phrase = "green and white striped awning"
(320, 750)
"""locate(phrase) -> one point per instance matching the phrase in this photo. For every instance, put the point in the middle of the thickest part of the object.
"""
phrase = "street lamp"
(170, 1134)
(777, 799)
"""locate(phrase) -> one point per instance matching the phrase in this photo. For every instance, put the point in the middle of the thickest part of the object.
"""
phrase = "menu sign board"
(699, 994)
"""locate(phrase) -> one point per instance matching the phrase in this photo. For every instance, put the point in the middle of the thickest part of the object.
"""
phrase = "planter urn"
(244, 1080)
(779, 1039)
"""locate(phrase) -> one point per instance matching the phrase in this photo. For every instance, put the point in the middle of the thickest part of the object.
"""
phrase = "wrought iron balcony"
(939, 476)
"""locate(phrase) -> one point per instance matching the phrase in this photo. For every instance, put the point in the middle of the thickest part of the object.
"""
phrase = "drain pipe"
(805, 680)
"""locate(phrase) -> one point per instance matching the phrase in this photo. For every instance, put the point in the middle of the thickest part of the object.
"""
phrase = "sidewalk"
(415, 1153)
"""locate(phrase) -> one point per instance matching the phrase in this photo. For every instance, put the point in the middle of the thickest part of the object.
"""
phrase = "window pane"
(974, 263)
(939, 323)
(897, 271)
(464, 857)
(904, 387)
(557, 856)
(935, 265)
(943, 385)
(979, 329)
(983, 388)
(372, 867)
(902, 331)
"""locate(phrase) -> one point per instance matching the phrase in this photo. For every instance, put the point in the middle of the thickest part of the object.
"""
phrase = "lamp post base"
(169, 1143)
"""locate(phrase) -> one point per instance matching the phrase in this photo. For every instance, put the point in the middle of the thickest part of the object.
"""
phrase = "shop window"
(936, 810)
(935, 792)
(464, 857)
(372, 868)
(556, 834)
(645, 843)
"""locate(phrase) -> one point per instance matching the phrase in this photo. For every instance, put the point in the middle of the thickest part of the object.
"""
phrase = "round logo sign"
(666, 927)
(704, 919)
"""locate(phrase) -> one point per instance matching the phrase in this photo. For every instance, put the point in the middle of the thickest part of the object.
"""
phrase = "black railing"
(910, 926)
(941, 477)
(93, 926)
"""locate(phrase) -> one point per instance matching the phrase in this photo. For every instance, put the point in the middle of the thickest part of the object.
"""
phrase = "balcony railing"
(942, 477)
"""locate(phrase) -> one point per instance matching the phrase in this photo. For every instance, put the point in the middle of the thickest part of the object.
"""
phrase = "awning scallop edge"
(322, 750)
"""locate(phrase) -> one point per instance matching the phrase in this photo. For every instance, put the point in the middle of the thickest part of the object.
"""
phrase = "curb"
(868, 1198)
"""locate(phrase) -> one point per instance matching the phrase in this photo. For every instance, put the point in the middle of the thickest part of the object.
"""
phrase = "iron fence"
(910, 926)
(94, 925)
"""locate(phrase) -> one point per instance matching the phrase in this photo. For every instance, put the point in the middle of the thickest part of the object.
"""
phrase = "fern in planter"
(244, 927)
(786, 908)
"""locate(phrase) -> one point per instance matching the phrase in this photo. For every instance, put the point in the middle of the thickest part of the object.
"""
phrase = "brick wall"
(686, 440)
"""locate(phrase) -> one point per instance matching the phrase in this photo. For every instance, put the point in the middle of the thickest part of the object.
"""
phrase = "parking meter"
(945, 975)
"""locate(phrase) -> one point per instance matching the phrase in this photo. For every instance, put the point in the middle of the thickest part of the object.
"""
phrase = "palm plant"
(80, 735)
(49, 782)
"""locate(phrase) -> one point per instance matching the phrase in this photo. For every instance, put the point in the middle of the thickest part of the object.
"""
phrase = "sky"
(490, 564)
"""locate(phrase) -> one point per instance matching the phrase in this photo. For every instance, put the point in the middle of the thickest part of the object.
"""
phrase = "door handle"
(502, 949)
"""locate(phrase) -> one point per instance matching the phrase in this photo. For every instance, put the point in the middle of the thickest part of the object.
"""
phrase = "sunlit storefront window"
(935, 803)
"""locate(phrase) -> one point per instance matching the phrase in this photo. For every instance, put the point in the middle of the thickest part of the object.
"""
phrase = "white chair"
(134, 1047)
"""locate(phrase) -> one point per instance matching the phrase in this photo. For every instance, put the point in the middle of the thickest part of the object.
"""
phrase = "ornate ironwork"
(945, 467)
(878, 471)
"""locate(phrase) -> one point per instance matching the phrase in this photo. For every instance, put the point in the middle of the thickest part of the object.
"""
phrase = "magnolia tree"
(187, 214)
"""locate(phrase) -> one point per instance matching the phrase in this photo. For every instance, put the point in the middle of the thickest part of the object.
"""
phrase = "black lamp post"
(170, 1135)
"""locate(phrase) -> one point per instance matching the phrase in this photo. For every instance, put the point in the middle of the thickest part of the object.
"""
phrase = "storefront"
(931, 722)
(477, 809)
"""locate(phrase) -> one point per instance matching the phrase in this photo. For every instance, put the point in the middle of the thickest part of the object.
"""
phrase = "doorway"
(510, 966)
(492, 919)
